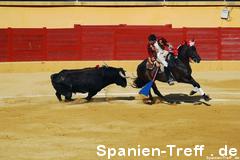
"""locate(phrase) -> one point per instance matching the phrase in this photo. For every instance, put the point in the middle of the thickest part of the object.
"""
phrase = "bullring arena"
(34, 125)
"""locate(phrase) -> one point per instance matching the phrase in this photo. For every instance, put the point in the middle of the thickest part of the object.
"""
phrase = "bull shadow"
(102, 99)
(179, 98)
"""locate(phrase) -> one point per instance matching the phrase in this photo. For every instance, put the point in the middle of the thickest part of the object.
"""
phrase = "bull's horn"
(133, 76)
(122, 75)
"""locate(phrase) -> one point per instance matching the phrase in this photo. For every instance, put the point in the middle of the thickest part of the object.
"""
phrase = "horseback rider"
(157, 55)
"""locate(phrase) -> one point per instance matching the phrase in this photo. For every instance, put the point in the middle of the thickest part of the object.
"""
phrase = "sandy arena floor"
(34, 125)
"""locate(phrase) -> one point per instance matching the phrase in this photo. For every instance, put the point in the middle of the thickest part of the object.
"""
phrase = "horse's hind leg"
(156, 91)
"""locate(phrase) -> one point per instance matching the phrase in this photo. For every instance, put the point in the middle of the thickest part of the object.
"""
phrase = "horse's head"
(189, 51)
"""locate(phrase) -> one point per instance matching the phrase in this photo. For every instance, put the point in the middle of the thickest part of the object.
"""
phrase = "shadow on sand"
(102, 99)
(177, 98)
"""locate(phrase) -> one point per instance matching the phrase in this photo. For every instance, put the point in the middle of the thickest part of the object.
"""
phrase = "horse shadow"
(179, 98)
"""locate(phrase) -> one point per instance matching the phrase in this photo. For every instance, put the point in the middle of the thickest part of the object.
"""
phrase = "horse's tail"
(141, 80)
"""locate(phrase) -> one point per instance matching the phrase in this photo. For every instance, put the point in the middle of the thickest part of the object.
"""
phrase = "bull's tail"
(138, 83)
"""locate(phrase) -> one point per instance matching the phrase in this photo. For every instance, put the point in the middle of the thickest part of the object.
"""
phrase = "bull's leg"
(58, 96)
(90, 95)
(68, 97)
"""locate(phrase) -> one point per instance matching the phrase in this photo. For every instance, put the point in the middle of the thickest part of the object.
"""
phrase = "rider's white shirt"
(161, 54)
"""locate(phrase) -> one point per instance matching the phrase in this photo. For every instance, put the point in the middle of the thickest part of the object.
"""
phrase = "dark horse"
(180, 68)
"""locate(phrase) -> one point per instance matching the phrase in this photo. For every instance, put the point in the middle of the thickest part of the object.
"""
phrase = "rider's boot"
(170, 79)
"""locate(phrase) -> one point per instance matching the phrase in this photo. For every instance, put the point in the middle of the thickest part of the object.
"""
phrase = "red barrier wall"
(116, 42)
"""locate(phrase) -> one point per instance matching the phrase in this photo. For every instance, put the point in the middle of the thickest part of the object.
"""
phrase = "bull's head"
(121, 78)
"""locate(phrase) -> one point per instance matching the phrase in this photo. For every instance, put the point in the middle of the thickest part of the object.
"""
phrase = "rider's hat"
(152, 37)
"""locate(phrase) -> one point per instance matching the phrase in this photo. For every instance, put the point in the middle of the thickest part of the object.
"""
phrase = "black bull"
(180, 69)
(88, 80)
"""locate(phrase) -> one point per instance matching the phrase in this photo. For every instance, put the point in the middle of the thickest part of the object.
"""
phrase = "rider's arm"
(158, 49)
(150, 49)
(150, 60)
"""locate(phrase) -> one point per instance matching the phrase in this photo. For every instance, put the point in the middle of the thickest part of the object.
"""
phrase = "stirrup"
(171, 82)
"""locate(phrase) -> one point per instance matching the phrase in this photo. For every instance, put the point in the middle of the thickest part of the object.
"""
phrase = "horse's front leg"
(197, 88)
(194, 91)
